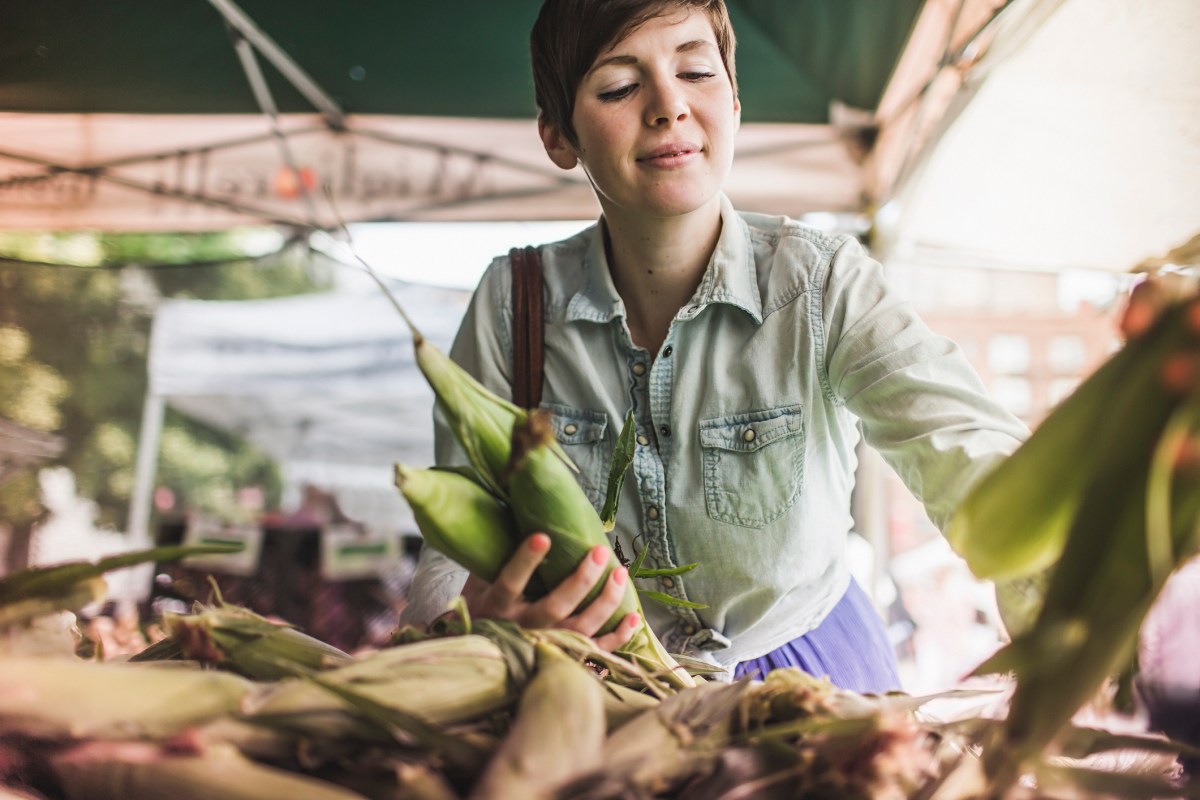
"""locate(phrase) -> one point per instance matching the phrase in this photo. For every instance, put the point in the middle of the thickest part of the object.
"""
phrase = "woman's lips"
(671, 155)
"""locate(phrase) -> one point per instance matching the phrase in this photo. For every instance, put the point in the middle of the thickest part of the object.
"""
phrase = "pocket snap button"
(571, 429)
(748, 435)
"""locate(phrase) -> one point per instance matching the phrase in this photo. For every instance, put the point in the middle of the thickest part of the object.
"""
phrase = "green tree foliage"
(73, 348)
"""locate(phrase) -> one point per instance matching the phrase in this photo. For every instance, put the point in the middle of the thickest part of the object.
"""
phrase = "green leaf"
(622, 457)
(50, 581)
(668, 600)
(1109, 783)
(656, 573)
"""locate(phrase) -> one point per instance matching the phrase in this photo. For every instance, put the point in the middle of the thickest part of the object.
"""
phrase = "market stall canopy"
(325, 384)
(169, 115)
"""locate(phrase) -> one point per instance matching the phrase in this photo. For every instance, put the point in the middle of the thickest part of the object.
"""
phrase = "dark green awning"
(404, 57)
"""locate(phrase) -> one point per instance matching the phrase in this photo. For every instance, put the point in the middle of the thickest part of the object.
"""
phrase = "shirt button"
(639, 368)
(749, 434)
(665, 430)
(652, 512)
(668, 351)
(688, 629)
(667, 581)
(571, 429)
(642, 440)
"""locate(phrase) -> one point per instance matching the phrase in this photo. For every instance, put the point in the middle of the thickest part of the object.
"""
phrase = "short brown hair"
(569, 35)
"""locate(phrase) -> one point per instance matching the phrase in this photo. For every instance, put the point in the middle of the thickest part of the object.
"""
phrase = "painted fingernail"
(632, 620)
(539, 543)
(599, 554)
(620, 575)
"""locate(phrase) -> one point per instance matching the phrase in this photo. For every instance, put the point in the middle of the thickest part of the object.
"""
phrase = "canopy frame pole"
(149, 439)
(335, 117)
(262, 95)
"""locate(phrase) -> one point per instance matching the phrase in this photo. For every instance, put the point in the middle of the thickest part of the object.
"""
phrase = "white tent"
(326, 384)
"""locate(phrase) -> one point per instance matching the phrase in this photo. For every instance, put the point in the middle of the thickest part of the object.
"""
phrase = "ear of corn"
(68, 587)
(558, 732)
(460, 519)
(1015, 522)
(71, 596)
(1135, 512)
(135, 770)
(64, 698)
(443, 681)
(237, 639)
(546, 498)
(481, 422)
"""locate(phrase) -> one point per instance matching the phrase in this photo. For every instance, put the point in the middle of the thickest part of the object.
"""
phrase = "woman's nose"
(667, 104)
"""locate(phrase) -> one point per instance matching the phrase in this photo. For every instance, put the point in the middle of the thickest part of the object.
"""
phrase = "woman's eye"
(618, 93)
(696, 76)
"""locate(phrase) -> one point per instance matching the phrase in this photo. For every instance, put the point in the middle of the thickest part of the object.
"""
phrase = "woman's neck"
(657, 264)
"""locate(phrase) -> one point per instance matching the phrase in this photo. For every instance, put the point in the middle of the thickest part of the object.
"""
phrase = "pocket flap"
(575, 426)
(751, 430)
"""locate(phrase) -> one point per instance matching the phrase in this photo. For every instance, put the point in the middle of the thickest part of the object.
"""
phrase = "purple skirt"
(850, 647)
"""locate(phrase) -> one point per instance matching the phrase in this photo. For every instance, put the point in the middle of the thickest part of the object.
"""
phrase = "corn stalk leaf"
(658, 572)
(622, 457)
(1104, 783)
(404, 727)
(667, 600)
(50, 580)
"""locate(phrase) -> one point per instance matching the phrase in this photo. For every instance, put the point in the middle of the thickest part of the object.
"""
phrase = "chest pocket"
(581, 434)
(753, 464)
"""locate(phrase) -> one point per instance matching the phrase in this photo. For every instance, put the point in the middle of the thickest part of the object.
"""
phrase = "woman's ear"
(557, 147)
(737, 112)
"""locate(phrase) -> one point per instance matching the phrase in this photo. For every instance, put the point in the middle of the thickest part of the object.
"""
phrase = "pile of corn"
(231, 705)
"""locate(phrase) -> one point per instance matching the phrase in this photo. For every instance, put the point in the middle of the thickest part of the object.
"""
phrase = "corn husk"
(558, 732)
(237, 639)
(142, 770)
(64, 698)
(442, 681)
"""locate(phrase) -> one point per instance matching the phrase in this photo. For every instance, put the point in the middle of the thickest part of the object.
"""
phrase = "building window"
(1008, 354)
(1015, 394)
(1068, 353)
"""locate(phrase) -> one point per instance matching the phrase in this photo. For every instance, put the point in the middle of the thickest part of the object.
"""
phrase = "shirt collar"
(731, 276)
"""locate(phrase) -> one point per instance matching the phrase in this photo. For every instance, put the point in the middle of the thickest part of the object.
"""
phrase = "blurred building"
(1032, 337)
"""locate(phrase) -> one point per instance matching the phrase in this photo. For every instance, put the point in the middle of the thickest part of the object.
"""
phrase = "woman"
(750, 348)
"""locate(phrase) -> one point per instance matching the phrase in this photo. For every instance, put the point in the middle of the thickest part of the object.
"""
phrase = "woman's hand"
(505, 599)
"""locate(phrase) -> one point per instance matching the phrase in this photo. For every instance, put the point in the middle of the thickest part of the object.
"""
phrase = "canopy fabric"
(325, 384)
(133, 116)
(199, 172)
(406, 57)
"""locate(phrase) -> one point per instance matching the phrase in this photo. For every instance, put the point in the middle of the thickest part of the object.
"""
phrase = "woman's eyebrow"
(686, 47)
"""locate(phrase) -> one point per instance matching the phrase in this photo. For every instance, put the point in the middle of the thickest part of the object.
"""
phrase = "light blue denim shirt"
(747, 421)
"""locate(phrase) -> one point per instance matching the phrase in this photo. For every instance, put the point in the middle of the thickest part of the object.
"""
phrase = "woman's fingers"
(514, 577)
(561, 603)
(619, 635)
(592, 618)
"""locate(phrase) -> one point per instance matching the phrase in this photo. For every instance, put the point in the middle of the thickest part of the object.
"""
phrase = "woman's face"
(655, 118)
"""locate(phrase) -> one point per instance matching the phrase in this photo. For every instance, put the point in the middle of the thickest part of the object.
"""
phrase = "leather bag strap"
(528, 326)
